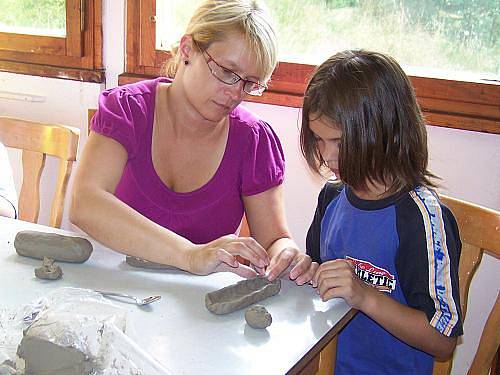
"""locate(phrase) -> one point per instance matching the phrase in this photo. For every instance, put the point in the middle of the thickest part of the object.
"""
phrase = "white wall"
(467, 161)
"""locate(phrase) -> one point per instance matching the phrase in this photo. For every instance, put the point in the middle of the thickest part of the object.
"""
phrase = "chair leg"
(327, 358)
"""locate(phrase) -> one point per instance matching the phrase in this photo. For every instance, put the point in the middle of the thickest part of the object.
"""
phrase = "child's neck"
(373, 191)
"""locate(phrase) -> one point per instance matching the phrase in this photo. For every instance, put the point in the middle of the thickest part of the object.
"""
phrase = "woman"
(171, 165)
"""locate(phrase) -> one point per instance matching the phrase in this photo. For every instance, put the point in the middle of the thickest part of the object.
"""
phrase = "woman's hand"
(300, 267)
(220, 255)
(336, 278)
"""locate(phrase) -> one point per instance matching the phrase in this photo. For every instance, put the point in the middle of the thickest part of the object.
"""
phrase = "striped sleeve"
(428, 258)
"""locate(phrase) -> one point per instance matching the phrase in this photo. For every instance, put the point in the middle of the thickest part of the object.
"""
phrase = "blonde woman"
(172, 164)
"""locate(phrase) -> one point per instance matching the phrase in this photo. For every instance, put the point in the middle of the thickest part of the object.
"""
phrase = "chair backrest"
(479, 231)
(36, 140)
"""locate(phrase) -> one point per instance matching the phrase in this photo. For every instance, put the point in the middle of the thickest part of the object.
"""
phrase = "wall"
(467, 161)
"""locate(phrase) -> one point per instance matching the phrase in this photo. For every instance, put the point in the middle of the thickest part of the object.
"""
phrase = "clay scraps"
(48, 270)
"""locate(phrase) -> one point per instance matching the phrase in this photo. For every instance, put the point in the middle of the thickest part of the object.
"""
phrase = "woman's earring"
(186, 62)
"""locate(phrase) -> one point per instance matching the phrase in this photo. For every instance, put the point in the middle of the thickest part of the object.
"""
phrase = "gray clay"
(141, 263)
(240, 295)
(48, 270)
(44, 357)
(8, 368)
(58, 247)
(258, 317)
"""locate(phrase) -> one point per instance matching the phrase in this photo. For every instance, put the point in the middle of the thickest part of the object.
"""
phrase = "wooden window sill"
(75, 74)
(458, 112)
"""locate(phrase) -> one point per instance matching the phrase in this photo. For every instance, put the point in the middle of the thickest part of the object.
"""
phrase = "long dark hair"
(371, 100)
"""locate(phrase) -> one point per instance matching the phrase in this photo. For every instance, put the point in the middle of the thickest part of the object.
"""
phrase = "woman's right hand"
(220, 256)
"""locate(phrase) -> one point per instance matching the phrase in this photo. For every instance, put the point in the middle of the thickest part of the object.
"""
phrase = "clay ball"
(258, 317)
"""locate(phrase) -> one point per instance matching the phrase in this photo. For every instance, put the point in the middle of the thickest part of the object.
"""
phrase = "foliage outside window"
(46, 17)
(55, 38)
(450, 48)
(458, 35)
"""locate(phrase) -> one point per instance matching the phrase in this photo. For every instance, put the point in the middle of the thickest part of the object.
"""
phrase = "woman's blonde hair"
(214, 20)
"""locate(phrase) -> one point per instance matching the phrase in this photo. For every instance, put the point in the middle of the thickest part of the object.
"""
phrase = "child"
(8, 195)
(387, 245)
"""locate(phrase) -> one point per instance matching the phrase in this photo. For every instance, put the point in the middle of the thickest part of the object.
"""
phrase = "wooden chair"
(36, 140)
(479, 232)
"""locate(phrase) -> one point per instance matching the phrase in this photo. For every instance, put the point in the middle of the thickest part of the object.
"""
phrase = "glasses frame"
(237, 77)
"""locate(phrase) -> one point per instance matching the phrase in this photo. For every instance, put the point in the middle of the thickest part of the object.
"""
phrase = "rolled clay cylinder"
(56, 246)
(257, 316)
(141, 263)
(240, 295)
(48, 270)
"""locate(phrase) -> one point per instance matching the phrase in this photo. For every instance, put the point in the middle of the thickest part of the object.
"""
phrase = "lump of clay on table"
(48, 270)
(8, 368)
(141, 263)
(56, 246)
(44, 357)
(240, 295)
(257, 316)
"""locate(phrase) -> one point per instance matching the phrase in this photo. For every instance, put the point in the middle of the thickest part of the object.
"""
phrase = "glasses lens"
(253, 88)
(223, 74)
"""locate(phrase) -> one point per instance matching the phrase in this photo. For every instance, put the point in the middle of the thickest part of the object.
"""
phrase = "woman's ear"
(186, 48)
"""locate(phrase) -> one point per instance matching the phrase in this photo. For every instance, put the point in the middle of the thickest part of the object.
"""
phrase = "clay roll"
(55, 246)
(142, 263)
(240, 295)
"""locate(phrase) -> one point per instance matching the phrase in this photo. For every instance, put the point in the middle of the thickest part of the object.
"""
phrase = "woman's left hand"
(302, 268)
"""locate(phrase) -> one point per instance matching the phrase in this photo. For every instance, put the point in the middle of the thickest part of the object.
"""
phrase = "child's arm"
(336, 278)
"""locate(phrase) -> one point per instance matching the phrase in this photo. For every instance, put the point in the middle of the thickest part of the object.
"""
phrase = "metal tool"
(137, 300)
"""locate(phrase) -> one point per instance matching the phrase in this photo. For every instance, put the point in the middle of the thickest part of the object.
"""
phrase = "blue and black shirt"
(406, 245)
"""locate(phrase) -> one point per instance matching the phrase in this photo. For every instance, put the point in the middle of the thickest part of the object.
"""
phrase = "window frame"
(445, 102)
(77, 56)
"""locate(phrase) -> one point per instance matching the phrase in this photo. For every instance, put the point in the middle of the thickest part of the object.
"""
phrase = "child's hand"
(336, 278)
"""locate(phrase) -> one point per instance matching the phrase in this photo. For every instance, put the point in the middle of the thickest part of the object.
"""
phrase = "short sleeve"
(329, 192)
(7, 189)
(263, 161)
(428, 259)
(120, 114)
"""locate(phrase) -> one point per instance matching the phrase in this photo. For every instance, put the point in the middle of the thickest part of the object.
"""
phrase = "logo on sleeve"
(380, 278)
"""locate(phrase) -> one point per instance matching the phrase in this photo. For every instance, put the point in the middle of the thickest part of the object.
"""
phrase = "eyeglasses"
(231, 78)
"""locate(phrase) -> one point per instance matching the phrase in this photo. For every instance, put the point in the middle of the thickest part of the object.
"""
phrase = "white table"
(178, 330)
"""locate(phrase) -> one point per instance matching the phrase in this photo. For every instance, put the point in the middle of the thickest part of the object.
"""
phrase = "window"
(448, 47)
(55, 38)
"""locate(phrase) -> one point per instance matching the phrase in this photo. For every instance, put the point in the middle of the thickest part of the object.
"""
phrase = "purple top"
(253, 162)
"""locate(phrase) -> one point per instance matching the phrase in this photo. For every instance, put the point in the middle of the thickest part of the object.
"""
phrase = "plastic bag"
(72, 330)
